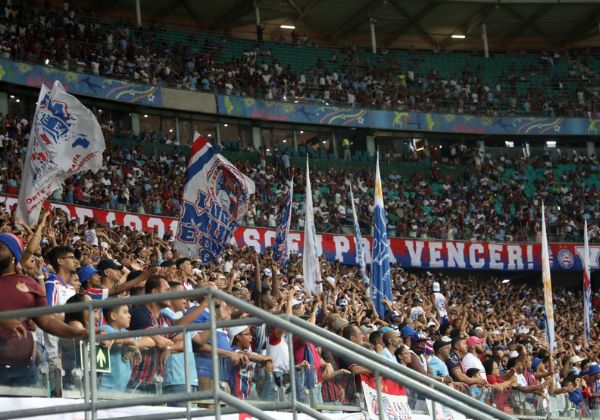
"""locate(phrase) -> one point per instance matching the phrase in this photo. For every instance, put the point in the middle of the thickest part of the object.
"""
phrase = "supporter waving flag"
(360, 253)
(215, 199)
(587, 288)
(66, 139)
(381, 286)
(547, 286)
(310, 260)
(281, 251)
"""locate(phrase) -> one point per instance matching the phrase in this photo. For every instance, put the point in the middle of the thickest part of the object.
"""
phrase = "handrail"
(297, 327)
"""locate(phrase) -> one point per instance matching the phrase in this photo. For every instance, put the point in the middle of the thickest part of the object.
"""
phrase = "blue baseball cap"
(86, 272)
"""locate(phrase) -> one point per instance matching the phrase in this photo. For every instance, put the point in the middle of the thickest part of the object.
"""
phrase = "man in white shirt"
(471, 359)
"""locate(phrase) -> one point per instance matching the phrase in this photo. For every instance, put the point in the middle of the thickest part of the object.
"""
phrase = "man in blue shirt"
(437, 362)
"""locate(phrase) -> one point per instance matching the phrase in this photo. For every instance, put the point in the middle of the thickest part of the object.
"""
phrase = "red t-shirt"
(18, 291)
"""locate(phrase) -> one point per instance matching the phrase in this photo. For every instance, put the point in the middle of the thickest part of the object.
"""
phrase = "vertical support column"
(177, 130)
(486, 51)
(218, 134)
(481, 146)
(334, 144)
(591, 149)
(135, 123)
(4, 103)
(214, 357)
(295, 139)
(93, 384)
(370, 145)
(372, 22)
(257, 12)
(138, 13)
(256, 139)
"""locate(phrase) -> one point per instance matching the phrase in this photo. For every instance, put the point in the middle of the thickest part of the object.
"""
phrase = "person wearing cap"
(240, 381)
(471, 359)
(436, 363)
(593, 374)
(110, 271)
(455, 365)
(439, 301)
(19, 291)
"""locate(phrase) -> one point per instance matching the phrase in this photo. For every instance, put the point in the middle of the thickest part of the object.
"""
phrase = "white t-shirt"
(440, 304)
(280, 353)
(472, 361)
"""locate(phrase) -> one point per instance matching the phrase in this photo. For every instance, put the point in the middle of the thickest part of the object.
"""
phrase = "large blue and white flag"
(547, 281)
(65, 139)
(381, 284)
(310, 255)
(587, 288)
(215, 199)
(360, 253)
(281, 249)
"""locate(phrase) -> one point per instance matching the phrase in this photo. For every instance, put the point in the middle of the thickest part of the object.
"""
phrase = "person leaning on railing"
(19, 291)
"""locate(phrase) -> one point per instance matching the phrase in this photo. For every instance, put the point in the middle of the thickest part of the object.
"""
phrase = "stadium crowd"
(64, 39)
(496, 201)
(469, 337)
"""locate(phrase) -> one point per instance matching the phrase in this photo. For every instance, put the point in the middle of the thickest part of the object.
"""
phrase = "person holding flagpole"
(587, 289)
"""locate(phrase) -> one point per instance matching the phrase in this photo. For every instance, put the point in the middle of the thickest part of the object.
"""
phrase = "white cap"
(233, 331)
(268, 272)
(330, 280)
(436, 286)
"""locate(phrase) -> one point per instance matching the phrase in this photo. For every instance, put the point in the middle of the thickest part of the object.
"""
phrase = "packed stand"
(488, 342)
(65, 39)
(498, 201)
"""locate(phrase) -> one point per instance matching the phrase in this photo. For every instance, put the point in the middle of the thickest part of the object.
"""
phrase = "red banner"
(414, 253)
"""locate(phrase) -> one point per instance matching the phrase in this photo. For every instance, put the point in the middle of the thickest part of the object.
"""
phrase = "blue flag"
(360, 253)
(281, 251)
(381, 285)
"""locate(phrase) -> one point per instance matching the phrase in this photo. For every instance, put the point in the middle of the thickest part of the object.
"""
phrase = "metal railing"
(351, 352)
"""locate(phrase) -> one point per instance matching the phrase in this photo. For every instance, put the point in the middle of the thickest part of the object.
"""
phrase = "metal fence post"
(214, 356)
(85, 360)
(93, 384)
(290, 343)
(379, 396)
(186, 367)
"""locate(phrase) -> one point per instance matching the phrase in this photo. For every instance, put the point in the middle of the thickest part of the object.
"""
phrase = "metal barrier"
(351, 352)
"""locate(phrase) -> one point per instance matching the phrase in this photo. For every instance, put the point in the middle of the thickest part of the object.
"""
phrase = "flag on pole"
(281, 249)
(587, 288)
(65, 139)
(360, 254)
(381, 285)
(547, 286)
(310, 255)
(215, 199)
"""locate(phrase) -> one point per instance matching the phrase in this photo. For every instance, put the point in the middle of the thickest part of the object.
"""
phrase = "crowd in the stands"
(66, 39)
(489, 342)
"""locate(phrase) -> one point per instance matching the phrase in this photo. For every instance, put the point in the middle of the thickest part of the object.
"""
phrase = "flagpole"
(587, 290)
(360, 253)
(547, 281)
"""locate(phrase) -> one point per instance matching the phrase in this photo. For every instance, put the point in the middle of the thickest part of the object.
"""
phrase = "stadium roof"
(510, 24)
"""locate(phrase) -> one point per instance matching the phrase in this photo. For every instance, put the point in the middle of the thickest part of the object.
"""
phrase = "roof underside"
(398, 23)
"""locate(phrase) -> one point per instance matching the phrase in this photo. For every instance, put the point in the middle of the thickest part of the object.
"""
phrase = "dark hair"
(75, 316)
(56, 253)
(511, 363)
(472, 372)
(375, 337)
(167, 263)
(488, 365)
(456, 340)
(152, 283)
(107, 311)
(174, 283)
(181, 261)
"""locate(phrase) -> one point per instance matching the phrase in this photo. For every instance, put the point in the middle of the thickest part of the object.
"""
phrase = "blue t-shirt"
(438, 368)
(204, 360)
(120, 371)
(175, 368)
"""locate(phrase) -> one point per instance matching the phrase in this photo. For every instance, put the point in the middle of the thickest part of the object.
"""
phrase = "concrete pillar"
(218, 133)
(370, 145)
(295, 140)
(177, 130)
(372, 22)
(256, 138)
(591, 148)
(334, 145)
(257, 12)
(4, 103)
(138, 13)
(486, 51)
(135, 123)
(481, 145)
